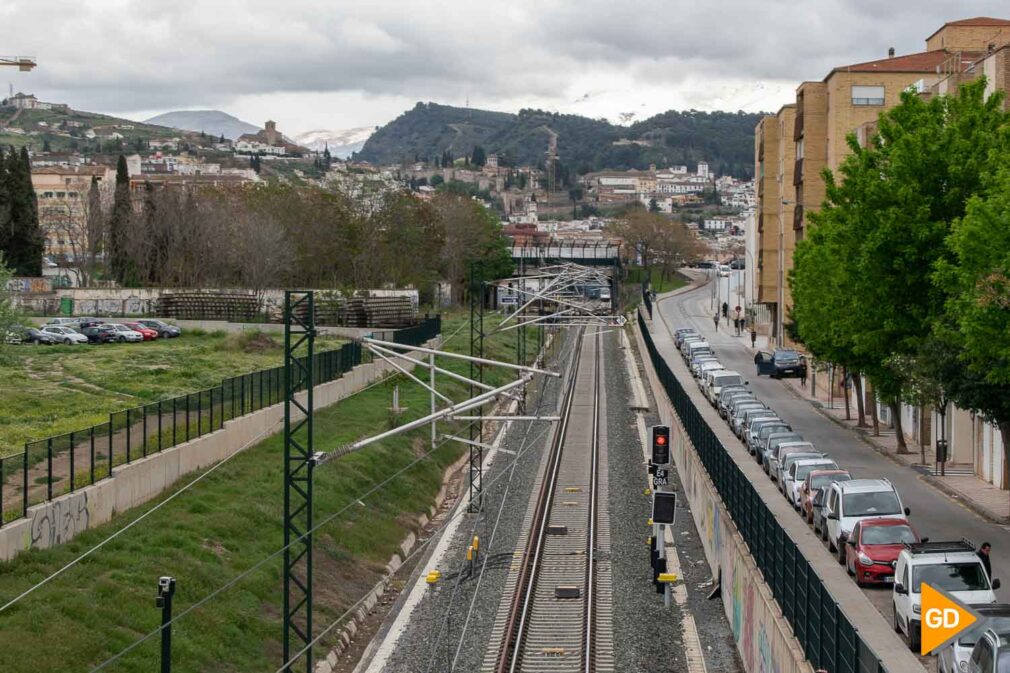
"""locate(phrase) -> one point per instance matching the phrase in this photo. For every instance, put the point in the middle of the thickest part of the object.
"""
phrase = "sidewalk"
(960, 483)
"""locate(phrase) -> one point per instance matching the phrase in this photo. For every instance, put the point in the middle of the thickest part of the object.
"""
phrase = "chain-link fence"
(829, 639)
(62, 464)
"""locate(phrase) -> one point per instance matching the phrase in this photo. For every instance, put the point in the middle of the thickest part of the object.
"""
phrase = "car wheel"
(831, 546)
(841, 553)
(824, 532)
(68, 342)
(121, 339)
(894, 611)
(913, 639)
(849, 571)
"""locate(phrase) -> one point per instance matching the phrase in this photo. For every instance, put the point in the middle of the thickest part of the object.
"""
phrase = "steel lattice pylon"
(299, 463)
(476, 374)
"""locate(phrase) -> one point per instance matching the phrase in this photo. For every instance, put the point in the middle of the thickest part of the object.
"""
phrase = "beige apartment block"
(786, 207)
(765, 255)
(62, 194)
(974, 34)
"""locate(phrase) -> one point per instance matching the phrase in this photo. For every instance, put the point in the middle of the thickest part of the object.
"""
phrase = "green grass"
(51, 390)
(223, 526)
(659, 284)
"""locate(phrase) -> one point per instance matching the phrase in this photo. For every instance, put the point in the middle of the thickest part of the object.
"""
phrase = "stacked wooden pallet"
(208, 306)
(380, 312)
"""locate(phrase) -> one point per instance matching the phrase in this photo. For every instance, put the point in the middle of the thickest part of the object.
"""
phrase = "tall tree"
(21, 238)
(119, 224)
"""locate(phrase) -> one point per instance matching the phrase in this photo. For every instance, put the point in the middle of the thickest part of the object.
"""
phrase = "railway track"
(556, 613)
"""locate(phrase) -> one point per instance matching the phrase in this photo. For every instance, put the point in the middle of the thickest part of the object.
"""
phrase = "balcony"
(798, 218)
(798, 172)
(798, 127)
(761, 223)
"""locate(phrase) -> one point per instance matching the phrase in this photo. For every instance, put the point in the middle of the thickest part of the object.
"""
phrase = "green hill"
(66, 130)
(724, 139)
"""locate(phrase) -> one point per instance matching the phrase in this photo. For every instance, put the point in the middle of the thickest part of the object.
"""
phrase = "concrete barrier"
(60, 520)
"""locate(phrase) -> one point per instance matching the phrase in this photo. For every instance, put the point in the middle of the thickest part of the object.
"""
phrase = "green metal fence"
(829, 639)
(62, 464)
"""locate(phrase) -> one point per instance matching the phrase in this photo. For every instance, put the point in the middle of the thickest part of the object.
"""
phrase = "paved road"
(933, 513)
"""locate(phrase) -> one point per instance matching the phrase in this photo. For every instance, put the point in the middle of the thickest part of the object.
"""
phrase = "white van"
(694, 348)
(847, 502)
(717, 380)
(953, 567)
(604, 294)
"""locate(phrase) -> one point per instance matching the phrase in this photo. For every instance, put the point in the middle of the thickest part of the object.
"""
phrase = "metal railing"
(829, 640)
(62, 464)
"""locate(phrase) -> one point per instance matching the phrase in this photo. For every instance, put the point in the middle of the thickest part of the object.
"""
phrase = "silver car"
(760, 429)
(774, 459)
(64, 334)
(954, 657)
(787, 462)
(798, 471)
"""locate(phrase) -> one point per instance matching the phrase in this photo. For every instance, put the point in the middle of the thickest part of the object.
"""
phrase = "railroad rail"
(556, 614)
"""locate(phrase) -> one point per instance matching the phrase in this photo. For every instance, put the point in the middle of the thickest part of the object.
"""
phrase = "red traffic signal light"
(660, 445)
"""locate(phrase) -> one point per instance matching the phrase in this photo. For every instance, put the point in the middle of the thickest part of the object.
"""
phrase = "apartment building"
(62, 193)
(848, 98)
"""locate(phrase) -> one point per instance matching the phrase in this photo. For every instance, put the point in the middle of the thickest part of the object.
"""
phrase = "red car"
(148, 333)
(873, 548)
(815, 481)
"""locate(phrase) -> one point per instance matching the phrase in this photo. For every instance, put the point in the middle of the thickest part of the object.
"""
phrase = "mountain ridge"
(212, 122)
(724, 139)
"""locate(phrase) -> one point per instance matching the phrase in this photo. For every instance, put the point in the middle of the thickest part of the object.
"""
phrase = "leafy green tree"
(653, 205)
(9, 313)
(21, 239)
(882, 231)
(119, 222)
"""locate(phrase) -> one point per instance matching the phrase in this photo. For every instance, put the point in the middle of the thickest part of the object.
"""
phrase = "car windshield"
(867, 504)
(727, 380)
(788, 461)
(822, 480)
(967, 576)
(999, 624)
(770, 428)
(803, 470)
(887, 535)
(787, 355)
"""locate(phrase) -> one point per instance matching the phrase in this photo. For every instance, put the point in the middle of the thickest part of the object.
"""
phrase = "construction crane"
(22, 63)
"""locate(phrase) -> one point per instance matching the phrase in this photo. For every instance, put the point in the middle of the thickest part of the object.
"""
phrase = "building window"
(799, 148)
(867, 95)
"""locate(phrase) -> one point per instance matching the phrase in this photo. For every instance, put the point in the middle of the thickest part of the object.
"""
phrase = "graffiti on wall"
(59, 521)
(30, 285)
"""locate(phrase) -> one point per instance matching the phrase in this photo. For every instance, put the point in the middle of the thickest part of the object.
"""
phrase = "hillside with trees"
(431, 131)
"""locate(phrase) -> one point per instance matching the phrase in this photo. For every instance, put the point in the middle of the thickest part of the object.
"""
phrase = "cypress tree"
(21, 240)
(118, 223)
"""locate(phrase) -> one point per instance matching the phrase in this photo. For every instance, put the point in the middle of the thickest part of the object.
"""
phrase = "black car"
(100, 334)
(781, 364)
(164, 330)
(737, 264)
(30, 335)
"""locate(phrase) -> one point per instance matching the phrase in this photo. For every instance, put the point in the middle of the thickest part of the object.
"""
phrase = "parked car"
(100, 334)
(728, 398)
(781, 364)
(953, 567)
(30, 335)
(760, 430)
(738, 264)
(64, 322)
(787, 462)
(872, 550)
(771, 445)
(849, 501)
(681, 333)
(702, 367)
(716, 382)
(64, 335)
(953, 658)
(991, 654)
(124, 333)
(146, 332)
(815, 482)
(797, 476)
(724, 270)
(784, 450)
(165, 331)
(741, 423)
(692, 349)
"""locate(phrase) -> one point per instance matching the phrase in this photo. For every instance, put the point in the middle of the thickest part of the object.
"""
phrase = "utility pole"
(476, 374)
(166, 590)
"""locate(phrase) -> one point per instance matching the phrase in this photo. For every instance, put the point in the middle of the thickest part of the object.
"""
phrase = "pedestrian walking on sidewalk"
(753, 337)
(803, 373)
(983, 554)
(716, 319)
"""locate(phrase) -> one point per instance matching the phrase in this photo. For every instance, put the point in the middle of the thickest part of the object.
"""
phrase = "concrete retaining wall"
(762, 635)
(60, 520)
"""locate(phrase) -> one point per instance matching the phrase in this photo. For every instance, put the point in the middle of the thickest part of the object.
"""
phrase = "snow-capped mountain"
(341, 143)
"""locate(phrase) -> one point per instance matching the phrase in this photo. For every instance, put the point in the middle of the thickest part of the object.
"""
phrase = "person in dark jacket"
(983, 554)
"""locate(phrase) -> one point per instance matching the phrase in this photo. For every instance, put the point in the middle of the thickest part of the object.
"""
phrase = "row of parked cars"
(71, 331)
(863, 521)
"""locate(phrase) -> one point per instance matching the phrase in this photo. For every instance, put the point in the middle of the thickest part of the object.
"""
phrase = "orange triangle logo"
(943, 618)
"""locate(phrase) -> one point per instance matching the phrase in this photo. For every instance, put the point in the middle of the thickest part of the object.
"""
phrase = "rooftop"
(925, 61)
(980, 21)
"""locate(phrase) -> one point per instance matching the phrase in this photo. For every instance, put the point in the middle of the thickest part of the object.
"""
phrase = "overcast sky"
(335, 64)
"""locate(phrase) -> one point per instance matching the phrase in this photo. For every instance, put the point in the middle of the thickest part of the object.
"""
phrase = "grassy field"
(50, 390)
(224, 525)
